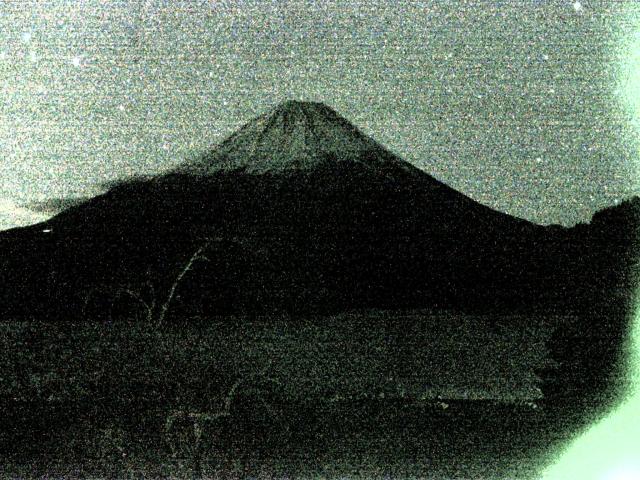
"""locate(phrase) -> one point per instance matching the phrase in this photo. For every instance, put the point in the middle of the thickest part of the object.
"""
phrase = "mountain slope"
(293, 137)
(299, 211)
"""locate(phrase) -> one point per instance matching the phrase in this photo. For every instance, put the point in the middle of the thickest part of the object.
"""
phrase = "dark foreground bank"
(329, 397)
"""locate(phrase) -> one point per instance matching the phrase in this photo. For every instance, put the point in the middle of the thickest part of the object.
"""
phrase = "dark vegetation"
(100, 389)
(218, 398)
(326, 242)
(124, 397)
(109, 351)
(589, 349)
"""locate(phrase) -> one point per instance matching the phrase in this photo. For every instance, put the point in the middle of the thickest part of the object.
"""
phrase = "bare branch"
(229, 398)
(136, 296)
(195, 257)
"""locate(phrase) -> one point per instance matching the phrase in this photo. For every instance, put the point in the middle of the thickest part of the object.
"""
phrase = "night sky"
(527, 106)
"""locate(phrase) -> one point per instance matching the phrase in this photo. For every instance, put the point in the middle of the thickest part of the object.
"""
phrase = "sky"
(528, 106)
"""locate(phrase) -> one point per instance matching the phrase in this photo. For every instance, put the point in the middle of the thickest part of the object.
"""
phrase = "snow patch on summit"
(293, 136)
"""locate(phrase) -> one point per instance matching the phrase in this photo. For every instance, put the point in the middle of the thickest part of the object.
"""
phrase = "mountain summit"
(294, 136)
(300, 211)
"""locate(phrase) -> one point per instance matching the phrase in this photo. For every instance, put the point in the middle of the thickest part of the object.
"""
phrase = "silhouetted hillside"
(299, 211)
(599, 263)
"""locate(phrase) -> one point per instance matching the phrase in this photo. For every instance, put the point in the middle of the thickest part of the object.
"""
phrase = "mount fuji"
(301, 211)
(292, 137)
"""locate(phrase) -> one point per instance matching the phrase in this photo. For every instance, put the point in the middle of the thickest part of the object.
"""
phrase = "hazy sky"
(525, 105)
